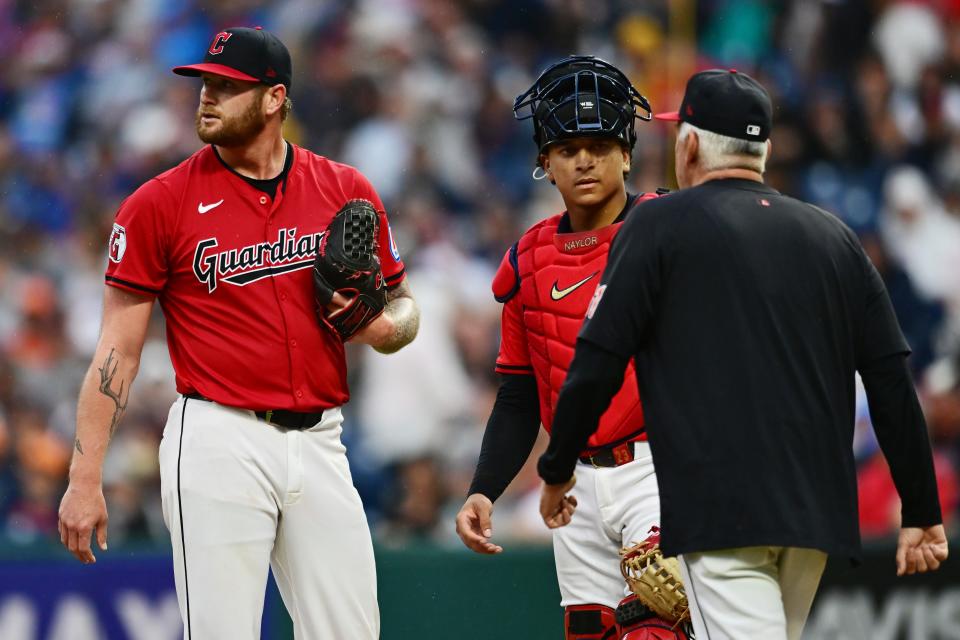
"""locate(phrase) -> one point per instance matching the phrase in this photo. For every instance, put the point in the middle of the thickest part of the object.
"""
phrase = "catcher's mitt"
(654, 579)
(347, 263)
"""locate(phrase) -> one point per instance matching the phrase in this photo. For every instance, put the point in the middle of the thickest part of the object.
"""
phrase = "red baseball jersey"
(232, 270)
(546, 282)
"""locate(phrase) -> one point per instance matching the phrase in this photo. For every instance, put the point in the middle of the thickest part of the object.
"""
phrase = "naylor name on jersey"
(256, 261)
(580, 243)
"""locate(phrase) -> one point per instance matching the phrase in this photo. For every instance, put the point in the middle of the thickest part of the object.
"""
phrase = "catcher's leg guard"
(636, 622)
(590, 622)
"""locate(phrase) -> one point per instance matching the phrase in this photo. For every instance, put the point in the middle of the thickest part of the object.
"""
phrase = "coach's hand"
(475, 526)
(921, 549)
(556, 507)
(83, 511)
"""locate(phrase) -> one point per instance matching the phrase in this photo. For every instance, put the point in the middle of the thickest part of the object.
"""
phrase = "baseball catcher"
(584, 112)
(347, 264)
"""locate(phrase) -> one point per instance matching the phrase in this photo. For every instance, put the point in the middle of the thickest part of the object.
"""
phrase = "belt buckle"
(595, 465)
(623, 453)
(267, 415)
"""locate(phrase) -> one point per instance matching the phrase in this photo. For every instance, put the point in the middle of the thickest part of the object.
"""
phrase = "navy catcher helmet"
(582, 96)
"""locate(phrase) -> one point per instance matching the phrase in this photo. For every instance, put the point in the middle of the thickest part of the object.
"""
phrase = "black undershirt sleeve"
(594, 377)
(510, 435)
(902, 433)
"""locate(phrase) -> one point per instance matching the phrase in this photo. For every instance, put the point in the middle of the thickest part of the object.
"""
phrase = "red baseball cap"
(247, 54)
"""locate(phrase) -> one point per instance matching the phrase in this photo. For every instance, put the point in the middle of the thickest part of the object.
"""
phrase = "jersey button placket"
(295, 358)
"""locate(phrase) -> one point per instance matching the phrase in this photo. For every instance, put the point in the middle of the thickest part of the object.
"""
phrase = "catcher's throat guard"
(347, 263)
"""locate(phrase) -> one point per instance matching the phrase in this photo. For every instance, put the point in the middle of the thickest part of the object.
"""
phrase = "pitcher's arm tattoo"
(107, 373)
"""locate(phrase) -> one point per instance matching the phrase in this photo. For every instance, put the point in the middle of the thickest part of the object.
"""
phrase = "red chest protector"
(555, 275)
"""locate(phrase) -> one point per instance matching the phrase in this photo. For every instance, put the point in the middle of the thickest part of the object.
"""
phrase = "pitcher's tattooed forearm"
(407, 326)
(107, 373)
(405, 314)
(76, 444)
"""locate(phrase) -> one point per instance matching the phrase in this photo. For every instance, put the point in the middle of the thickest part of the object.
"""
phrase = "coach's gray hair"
(723, 152)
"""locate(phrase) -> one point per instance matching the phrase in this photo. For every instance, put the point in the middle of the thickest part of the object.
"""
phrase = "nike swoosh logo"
(203, 208)
(560, 294)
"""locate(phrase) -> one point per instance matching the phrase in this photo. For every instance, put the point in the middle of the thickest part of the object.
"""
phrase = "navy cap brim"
(195, 70)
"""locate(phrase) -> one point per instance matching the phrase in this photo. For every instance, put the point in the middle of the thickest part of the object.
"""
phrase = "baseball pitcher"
(264, 258)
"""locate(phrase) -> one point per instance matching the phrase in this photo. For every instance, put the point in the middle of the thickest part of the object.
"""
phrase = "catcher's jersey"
(546, 282)
(231, 268)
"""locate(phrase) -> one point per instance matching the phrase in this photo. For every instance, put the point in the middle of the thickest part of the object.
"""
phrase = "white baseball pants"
(751, 592)
(616, 506)
(240, 496)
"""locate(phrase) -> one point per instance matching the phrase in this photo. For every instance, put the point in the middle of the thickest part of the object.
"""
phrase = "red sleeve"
(138, 241)
(514, 356)
(506, 282)
(390, 262)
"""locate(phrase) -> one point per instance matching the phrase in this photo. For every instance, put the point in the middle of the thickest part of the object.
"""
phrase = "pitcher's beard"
(236, 131)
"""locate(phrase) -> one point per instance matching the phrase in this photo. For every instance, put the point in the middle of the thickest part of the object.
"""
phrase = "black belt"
(279, 417)
(612, 456)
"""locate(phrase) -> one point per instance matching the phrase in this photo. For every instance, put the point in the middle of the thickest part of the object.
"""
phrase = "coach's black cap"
(725, 102)
(240, 53)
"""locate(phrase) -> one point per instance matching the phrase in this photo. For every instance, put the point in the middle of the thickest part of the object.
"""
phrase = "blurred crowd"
(418, 95)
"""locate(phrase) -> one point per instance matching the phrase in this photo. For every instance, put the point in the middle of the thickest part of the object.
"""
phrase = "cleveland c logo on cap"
(218, 42)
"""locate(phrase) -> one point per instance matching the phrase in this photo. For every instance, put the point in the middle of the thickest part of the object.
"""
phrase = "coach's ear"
(691, 148)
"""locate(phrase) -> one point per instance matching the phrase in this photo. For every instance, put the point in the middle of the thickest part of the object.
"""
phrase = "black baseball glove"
(347, 263)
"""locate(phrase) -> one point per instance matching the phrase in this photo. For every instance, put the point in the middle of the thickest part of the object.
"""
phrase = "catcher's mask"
(581, 96)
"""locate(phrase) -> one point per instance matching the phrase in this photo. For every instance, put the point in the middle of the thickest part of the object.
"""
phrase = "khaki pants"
(751, 592)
